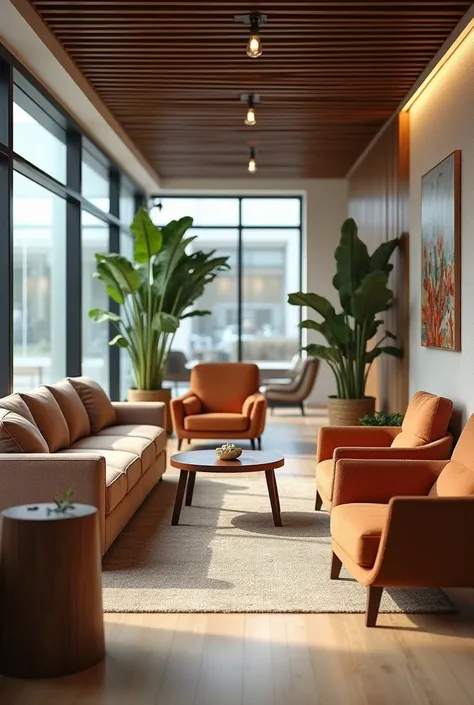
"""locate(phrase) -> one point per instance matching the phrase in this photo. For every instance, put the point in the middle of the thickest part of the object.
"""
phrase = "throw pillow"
(18, 435)
(98, 405)
(48, 417)
(73, 410)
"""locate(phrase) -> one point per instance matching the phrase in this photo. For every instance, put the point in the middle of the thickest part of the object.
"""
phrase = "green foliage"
(361, 280)
(380, 418)
(155, 292)
(63, 503)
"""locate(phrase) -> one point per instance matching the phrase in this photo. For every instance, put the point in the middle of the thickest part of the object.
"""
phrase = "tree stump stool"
(51, 615)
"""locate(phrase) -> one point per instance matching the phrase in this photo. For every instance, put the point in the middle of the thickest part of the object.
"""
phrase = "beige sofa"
(69, 435)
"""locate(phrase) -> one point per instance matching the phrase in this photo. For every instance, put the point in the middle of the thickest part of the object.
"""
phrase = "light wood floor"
(260, 659)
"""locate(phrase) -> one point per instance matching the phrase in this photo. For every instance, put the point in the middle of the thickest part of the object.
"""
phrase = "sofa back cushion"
(73, 410)
(99, 408)
(15, 403)
(48, 417)
(224, 386)
(18, 435)
(426, 420)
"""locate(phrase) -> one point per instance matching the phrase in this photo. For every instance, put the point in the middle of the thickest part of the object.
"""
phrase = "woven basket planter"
(348, 412)
(163, 395)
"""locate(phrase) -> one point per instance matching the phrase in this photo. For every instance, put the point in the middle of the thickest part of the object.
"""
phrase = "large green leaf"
(165, 323)
(371, 355)
(379, 260)
(318, 303)
(196, 312)
(371, 297)
(100, 315)
(120, 341)
(353, 263)
(148, 237)
(112, 286)
(335, 329)
(121, 270)
(322, 352)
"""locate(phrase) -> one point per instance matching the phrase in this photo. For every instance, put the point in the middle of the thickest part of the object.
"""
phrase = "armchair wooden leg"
(180, 443)
(259, 443)
(336, 565)
(374, 595)
(302, 408)
(272, 408)
(252, 443)
(319, 502)
(190, 440)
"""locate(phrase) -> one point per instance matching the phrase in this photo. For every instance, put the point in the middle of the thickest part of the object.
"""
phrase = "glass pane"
(205, 211)
(126, 371)
(38, 145)
(95, 336)
(95, 182)
(271, 211)
(127, 207)
(39, 285)
(271, 269)
(214, 337)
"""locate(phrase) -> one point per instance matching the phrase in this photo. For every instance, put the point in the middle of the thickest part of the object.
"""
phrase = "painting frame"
(441, 255)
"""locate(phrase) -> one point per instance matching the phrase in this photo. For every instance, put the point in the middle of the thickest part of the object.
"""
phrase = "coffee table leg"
(273, 494)
(178, 503)
(190, 488)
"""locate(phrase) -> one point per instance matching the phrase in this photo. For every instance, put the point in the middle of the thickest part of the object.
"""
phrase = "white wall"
(442, 120)
(325, 210)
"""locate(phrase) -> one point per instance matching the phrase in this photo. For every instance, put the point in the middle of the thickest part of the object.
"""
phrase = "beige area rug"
(226, 555)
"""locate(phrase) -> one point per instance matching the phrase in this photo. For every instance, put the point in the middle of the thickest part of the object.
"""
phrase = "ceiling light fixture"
(252, 161)
(254, 46)
(251, 101)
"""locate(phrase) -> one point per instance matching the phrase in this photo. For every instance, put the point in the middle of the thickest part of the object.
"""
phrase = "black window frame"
(158, 197)
(13, 78)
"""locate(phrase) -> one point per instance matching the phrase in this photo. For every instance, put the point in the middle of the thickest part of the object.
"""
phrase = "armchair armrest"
(378, 481)
(39, 477)
(255, 408)
(427, 542)
(430, 451)
(332, 437)
(141, 412)
(250, 402)
(178, 412)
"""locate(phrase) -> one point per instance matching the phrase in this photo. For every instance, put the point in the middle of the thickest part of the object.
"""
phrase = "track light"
(252, 161)
(250, 118)
(254, 46)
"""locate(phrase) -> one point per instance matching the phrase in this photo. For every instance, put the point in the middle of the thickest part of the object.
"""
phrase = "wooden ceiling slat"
(331, 74)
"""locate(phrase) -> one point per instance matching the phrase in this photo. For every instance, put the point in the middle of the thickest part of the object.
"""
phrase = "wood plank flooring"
(277, 659)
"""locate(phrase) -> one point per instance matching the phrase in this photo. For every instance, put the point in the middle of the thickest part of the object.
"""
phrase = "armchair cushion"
(216, 422)
(426, 420)
(455, 480)
(357, 529)
(224, 387)
(98, 405)
(192, 406)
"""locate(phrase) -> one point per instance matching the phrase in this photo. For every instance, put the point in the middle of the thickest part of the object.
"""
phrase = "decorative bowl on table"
(228, 451)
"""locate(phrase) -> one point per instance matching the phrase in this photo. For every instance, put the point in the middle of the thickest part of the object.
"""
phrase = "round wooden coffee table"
(194, 461)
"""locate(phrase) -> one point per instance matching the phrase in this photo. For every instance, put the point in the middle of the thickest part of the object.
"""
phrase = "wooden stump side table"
(51, 615)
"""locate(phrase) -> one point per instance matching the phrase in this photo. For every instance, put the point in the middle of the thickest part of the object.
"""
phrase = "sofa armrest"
(378, 481)
(332, 437)
(28, 478)
(436, 450)
(151, 413)
(427, 542)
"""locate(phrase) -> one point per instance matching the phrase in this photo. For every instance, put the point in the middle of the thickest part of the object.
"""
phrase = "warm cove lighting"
(444, 59)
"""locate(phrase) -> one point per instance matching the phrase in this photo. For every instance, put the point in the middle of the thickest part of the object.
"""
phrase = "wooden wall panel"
(379, 202)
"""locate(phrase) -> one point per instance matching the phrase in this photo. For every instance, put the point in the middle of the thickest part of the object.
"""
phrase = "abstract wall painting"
(441, 255)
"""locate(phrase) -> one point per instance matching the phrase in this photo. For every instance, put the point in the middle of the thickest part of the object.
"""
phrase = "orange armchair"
(223, 402)
(422, 436)
(405, 523)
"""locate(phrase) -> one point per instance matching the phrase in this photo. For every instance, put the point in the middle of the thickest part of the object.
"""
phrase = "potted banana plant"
(362, 284)
(156, 291)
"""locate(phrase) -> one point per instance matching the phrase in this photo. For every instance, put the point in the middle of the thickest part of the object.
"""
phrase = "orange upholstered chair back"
(457, 478)
(426, 420)
(224, 386)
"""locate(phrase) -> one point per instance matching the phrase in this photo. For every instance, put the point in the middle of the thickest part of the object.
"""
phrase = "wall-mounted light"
(254, 45)
(250, 100)
(252, 161)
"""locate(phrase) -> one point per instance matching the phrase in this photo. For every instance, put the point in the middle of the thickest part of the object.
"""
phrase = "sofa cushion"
(426, 420)
(325, 477)
(115, 487)
(18, 435)
(48, 417)
(73, 409)
(216, 422)
(357, 529)
(152, 433)
(14, 402)
(140, 447)
(98, 405)
(127, 463)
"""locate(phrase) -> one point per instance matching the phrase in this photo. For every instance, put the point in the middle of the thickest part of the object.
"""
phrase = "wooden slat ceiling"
(330, 75)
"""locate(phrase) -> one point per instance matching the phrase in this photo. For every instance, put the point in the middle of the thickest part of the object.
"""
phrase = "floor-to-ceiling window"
(62, 200)
(250, 319)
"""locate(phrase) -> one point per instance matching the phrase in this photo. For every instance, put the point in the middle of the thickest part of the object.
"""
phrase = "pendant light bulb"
(250, 118)
(252, 162)
(254, 46)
